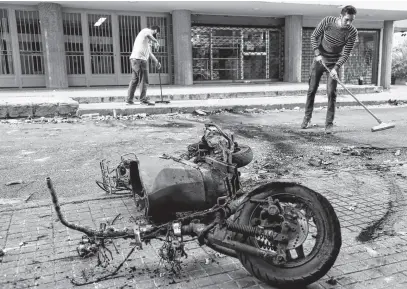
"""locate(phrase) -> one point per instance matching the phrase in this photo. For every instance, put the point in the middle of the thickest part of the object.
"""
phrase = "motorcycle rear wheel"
(307, 269)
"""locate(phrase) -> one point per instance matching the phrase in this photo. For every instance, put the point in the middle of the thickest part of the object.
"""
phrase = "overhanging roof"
(367, 10)
(400, 26)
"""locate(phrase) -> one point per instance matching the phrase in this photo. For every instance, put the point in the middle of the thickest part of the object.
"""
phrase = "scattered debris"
(373, 253)
(219, 255)
(377, 167)
(2, 253)
(12, 121)
(397, 153)
(395, 102)
(41, 120)
(356, 153)
(200, 112)
(332, 281)
(378, 89)
(208, 261)
(90, 115)
(389, 279)
(351, 150)
(314, 161)
(114, 220)
(22, 243)
(29, 196)
(15, 182)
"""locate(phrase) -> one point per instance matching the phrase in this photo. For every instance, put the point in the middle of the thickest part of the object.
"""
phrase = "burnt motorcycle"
(283, 233)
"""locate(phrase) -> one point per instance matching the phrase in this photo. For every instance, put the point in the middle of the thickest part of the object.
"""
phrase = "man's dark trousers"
(317, 70)
(139, 75)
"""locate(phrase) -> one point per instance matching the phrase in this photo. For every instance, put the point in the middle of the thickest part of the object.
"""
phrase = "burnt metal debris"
(281, 231)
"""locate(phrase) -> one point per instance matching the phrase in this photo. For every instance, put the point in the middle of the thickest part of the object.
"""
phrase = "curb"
(205, 96)
(210, 108)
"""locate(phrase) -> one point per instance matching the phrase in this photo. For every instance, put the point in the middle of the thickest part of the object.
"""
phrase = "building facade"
(68, 44)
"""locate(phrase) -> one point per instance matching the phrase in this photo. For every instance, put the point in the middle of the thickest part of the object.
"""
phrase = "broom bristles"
(383, 126)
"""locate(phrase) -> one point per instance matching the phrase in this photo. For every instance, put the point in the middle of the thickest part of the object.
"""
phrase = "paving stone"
(354, 268)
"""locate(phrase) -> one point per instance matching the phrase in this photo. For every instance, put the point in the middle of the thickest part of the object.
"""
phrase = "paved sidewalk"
(208, 105)
(174, 92)
(68, 102)
(41, 253)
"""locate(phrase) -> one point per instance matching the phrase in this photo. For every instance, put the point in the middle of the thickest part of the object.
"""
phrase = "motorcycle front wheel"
(309, 254)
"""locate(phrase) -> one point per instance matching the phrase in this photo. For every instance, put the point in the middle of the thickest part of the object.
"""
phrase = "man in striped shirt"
(139, 63)
(332, 42)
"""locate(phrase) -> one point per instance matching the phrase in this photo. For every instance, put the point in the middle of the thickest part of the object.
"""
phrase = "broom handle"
(378, 120)
(161, 89)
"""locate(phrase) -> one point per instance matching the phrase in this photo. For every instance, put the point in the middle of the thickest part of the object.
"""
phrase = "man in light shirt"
(139, 63)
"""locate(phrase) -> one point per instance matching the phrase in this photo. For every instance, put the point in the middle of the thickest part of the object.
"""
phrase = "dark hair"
(155, 27)
(349, 9)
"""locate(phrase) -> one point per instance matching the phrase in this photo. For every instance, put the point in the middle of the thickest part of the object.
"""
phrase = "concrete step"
(210, 93)
(211, 105)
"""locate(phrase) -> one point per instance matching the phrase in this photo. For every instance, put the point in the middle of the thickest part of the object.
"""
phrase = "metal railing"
(101, 44)
(162, 53)
(74, 50)
(129, 27)
(30, 42)
(6, 56)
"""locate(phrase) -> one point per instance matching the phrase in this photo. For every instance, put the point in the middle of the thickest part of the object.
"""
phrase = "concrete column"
(53, 45)
(181, 30)
(292, 48)
(387, 46)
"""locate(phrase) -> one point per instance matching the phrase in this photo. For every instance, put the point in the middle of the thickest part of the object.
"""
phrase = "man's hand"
(158, 65)
(156, 45)
(334, 74)
(319, 58)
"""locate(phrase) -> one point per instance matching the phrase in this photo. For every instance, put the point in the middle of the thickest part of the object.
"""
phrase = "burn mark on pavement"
(385, 225)
(376, 229)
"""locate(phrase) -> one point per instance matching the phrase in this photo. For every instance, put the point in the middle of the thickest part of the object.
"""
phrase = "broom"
(161, 89)
(382, 125)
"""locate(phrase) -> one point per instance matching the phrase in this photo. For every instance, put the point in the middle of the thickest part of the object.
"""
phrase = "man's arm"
(317, 33)
(155, 60)
(153, 57)
(152, 38)
(350, 43)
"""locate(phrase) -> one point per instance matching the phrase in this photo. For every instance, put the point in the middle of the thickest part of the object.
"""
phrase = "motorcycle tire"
(324, 255)
(242, 156)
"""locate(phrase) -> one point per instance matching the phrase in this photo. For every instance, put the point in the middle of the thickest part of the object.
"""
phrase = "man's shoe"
(305, 123)
(147, 102)
(129, 102)
(329, 129)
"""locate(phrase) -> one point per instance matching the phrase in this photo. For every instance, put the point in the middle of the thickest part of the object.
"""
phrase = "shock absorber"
(249, 230)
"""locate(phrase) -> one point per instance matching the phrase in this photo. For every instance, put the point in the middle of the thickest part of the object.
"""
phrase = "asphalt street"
(70, 152)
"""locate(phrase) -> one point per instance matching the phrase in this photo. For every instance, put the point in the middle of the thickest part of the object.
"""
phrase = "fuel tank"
(172, 186)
